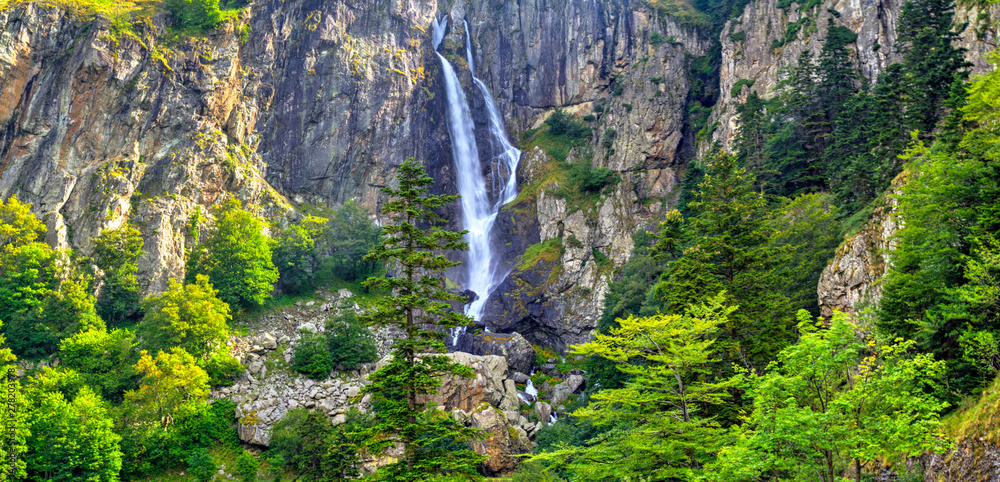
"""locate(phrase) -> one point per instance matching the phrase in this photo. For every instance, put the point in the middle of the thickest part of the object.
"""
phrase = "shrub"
(563, 124)
(246, 467)
(202, 465)
(196, 14)
(609, 137)
(306, 442)
(348, 341)
(588, 178)
(222, 369)
(312, 356)
(656, 39)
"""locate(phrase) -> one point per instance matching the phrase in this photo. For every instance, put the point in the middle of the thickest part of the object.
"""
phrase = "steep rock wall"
(319, 103)
(747, 52)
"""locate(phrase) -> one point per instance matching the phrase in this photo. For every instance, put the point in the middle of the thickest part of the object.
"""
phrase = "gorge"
(575, 133)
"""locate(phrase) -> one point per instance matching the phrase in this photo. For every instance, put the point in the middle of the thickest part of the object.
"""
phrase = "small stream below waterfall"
(479, 212)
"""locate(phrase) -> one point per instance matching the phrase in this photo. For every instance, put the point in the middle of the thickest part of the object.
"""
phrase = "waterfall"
(478, 212)
(530, 389)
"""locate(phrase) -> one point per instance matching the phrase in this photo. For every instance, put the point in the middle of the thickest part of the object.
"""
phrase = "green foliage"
(564, 124)
(668, 358)
(71, 440)
(350, 344)
(26, 271)
(812, 411)
(172, 386)
(807, 228)
(116, 254)
(350, 235)
(63, 312)
(151, 450)
(312, 357)
(236, 256)
(656, 39)
(941, 288)
(246, 467)
(201, 465)
(296, 255)
(345, 342)
(737, 88)
(726, 247)
(189, 317)
(104, 359)
(588, 178)
(195, 14)
(316, 450)
(418, 300)
(222, 368)
(609, 137)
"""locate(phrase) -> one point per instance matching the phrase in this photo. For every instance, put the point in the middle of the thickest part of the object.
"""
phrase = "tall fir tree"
(926, 38)
(727, 248)
(419, 307)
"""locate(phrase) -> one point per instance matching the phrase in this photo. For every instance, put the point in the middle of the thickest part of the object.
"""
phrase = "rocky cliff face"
(749, 51)
(319, 103)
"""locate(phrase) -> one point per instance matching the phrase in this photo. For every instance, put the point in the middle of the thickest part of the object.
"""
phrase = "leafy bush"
(246, 467)
(308, 444)
(222, 369)
(588, 178)
(656, 39)
(609, 137)
(312, 356)
(195, 14)
(348, 341)
(562, 123)
(105, 360)
(202, 465)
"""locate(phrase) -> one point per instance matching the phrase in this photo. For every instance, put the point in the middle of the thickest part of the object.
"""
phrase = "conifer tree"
(727, 248)
(418, 303)
(930, 60)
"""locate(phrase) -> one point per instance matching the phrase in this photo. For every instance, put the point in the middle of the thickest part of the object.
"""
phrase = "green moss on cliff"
(549, 250)
(978, 418)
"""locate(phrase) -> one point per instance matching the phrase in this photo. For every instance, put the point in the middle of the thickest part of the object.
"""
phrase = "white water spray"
(530, 389)
(478, 213)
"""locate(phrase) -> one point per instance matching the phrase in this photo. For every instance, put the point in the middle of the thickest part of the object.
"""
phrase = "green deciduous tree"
(236, 256)
(350, 234)
(660, 430)
(116, 254)
(831, 399)
(26, 272)
(72, 440)
(104, 359)
(297, 255)
(418, 300)
(190, 317)
(172, 386)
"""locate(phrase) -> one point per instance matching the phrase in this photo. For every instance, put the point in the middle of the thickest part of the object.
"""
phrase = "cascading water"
(478, 212)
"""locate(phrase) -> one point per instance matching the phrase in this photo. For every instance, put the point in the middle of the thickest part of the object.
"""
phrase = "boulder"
(267, 341)
(487, 385)
(502, 443)
(543, 411)
(561, 391)
(513, 347)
